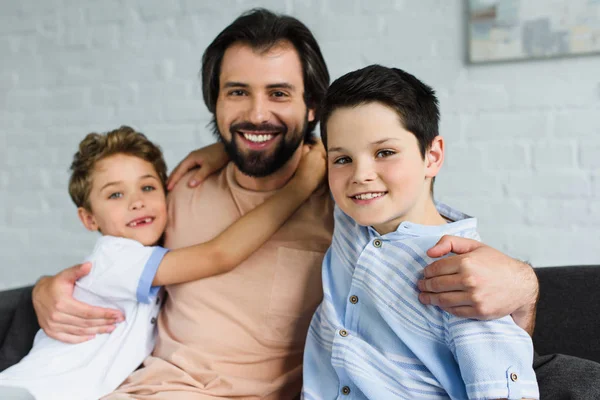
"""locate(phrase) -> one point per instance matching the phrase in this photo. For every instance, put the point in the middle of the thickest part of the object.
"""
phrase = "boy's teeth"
(257, 138)
(368, 196)
(147, 221)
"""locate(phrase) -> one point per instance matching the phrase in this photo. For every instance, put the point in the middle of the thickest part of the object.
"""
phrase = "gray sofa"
(567, 319)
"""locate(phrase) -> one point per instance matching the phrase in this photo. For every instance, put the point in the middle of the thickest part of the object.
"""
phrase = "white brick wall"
(523, 138)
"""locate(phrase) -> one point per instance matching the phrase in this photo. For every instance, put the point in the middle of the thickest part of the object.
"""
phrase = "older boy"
(371, 338)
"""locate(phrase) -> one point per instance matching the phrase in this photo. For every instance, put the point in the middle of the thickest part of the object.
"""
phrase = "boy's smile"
(376, 172)
(127, 200)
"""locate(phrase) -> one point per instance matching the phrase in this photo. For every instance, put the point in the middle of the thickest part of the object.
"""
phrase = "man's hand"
(62, 317)
(206, 160)
(479, 282)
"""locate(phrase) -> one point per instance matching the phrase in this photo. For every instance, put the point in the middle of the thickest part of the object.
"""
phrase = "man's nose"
(259, 110)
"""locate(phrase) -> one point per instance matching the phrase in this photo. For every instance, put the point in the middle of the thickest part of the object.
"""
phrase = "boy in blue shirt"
(371, 338)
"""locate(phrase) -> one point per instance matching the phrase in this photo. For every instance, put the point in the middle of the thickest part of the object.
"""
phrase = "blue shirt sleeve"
(145, 291)
(495, 357)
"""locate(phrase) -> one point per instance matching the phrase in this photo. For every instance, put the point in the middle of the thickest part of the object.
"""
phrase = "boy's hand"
(313, 166)
(479, 282)
(207, 160)
(62, 317)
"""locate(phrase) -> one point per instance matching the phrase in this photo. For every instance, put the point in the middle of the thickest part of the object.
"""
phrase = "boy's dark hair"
(261, 29)
(413, 101)
(96, 147)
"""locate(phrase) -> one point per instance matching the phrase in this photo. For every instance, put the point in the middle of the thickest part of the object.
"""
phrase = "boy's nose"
(363, 172)
(136, 205)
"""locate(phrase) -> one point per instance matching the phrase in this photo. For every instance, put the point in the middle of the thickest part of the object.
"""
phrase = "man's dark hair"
(261, 30)
(413, 101)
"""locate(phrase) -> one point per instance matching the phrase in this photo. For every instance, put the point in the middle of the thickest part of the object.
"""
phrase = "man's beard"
(259, 164)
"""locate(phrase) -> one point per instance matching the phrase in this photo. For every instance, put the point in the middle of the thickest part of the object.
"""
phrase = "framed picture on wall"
(501, 30)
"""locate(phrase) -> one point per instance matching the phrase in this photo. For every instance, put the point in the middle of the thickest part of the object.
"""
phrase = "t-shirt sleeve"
(123, 269)
(495, 357)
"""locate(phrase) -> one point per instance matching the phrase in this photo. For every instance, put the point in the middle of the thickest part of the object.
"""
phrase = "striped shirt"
(371, 338)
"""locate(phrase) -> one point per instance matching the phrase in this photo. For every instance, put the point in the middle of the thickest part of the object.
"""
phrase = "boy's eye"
(116, 195)
(384, 153)
(148, 188)
(342, 160)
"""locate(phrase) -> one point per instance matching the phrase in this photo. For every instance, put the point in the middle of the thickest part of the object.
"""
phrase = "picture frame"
(507, 30)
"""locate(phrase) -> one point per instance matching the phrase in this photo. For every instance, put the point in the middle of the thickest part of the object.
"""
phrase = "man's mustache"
(250, 127)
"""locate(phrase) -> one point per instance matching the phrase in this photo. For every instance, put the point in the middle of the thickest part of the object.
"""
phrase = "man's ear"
(87, 219)
(434, 157)
(311, 114)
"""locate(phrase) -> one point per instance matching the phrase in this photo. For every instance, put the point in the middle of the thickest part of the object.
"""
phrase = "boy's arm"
(494, 357)
(242, 238)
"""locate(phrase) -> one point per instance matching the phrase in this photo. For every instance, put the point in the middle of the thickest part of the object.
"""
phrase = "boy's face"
(376, 172)
(127, 200)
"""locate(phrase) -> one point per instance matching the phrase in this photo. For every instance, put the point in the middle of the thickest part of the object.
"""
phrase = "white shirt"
(121, 278)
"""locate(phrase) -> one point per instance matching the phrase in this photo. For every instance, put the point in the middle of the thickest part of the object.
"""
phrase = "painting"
(501, 30)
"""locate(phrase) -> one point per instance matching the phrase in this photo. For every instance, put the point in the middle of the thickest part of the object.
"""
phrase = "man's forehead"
(279, 63)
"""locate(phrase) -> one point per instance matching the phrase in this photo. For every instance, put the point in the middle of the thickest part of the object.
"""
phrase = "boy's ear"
(434, 157)
(87, 219)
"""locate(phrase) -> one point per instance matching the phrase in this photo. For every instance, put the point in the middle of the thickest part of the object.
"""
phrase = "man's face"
(261, 115)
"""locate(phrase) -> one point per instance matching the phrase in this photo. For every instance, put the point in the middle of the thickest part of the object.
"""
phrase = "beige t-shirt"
(240, 334)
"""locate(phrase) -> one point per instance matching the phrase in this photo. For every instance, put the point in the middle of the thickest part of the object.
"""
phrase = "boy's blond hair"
(95, 147)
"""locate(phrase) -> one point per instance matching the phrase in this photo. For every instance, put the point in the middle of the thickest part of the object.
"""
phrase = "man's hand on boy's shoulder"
(479, 282)
(62, 317)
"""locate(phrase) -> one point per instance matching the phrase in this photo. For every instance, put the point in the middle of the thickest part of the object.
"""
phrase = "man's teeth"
(368, 196)
(257, 138)
(143, 221)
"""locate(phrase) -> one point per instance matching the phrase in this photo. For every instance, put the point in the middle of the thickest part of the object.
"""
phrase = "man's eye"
(116, 195)
(384, 153)
(237, 92)
(148, 188)
(342, 160)
(279, 93)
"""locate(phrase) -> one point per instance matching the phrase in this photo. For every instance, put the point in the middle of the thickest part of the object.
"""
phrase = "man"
(241, 334)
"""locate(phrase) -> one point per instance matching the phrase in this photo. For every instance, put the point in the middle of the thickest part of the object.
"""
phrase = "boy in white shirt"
(118, 184)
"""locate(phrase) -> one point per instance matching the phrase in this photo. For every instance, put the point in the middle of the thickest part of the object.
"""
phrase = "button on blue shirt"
(371, 338)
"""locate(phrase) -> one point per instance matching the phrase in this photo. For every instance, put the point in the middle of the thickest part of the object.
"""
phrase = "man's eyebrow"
(235, 84)
(281, 85)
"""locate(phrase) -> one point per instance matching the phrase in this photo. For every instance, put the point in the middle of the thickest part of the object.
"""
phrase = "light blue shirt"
(371, 338)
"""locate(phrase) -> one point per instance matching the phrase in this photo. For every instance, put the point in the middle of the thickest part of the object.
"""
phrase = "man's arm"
(64, 318)
(480, 282)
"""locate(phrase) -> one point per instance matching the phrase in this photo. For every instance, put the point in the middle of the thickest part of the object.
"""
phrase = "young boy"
(118, 184)
(371, 338)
